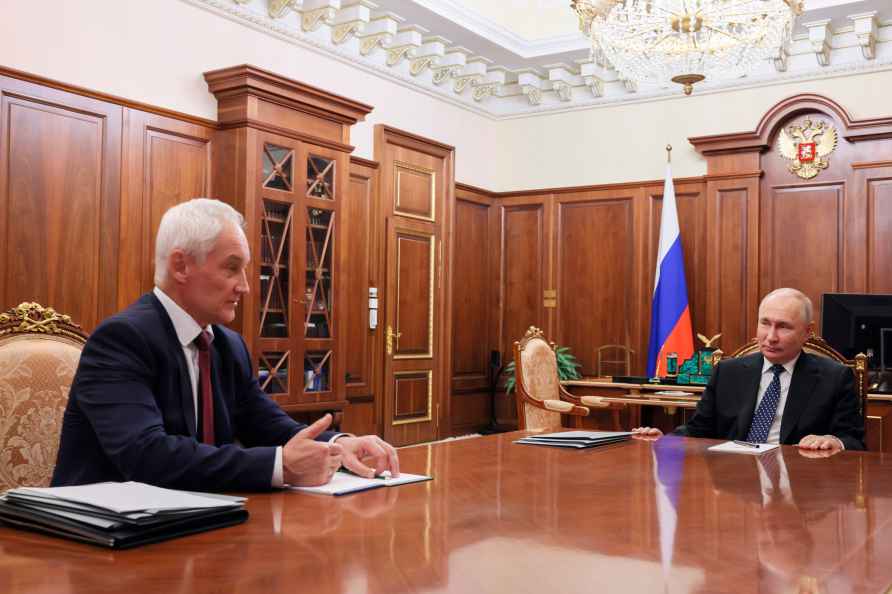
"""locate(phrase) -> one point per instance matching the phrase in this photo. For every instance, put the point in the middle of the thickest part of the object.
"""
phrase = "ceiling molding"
(389, 46)
(511, 41)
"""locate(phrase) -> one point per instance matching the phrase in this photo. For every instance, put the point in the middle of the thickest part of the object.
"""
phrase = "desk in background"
(663, 411)
(641, 516)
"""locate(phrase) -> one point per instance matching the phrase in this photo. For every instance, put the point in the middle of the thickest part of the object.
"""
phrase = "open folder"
(576, 439)
(118, 515)
(343, 483)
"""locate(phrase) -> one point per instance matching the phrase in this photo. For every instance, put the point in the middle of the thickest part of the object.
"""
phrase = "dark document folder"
(120, 535)
(118, 515)
(576, 439)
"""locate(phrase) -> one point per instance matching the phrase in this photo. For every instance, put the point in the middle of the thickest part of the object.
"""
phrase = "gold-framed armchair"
(818, 346)
(541, 400)
(39, 353)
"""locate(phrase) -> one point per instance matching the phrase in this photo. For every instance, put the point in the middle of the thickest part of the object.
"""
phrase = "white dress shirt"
(187, 330)
(785, 378)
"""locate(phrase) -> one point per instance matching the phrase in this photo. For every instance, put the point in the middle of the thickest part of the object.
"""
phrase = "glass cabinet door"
(320, 192)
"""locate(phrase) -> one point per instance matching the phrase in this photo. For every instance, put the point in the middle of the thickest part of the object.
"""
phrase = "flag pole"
(668, 153)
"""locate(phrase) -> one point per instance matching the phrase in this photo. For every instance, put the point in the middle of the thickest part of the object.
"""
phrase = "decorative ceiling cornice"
(359, 33)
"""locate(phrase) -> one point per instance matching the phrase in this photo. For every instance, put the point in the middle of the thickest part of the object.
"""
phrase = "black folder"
(122, 535)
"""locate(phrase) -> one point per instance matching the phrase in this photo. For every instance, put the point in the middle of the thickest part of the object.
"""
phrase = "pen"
(748, 444)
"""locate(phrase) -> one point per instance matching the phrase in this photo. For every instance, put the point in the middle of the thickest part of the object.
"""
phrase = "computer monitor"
(855, 323)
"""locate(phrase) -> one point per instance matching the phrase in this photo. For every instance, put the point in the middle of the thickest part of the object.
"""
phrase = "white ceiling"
(520, 34)
(516, 58)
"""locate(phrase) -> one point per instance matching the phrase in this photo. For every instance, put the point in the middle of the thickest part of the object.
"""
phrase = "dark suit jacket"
(821, 401)
(131, 416)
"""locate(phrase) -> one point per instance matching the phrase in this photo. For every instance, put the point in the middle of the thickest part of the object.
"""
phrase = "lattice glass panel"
(278, 167)
(272, 372)
(320, 239)
(320, 178)
(317, 371)
(275, 232)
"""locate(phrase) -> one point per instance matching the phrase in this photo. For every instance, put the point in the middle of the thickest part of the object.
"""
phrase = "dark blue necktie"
(764, 416)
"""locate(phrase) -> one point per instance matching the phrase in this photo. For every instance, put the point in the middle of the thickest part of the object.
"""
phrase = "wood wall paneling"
(524, 250)
(359, 265)
(59, 200)
(730, 270)
(475, 290)
(595, 272)
(802, 240)
(167, 161)
(876, 186)
(471, 295)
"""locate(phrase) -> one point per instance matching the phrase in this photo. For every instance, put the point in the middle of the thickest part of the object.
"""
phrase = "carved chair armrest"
(594, 402)
(566, 408)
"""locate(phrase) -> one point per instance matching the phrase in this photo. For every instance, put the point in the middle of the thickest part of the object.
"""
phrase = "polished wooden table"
(642, 516)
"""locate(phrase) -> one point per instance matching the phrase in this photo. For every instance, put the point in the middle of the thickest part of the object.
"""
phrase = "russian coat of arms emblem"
(807, 145)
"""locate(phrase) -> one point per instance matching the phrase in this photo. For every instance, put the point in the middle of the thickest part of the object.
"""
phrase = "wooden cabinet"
(283, 161)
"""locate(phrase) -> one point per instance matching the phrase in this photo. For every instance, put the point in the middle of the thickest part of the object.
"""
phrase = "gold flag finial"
(668, 153)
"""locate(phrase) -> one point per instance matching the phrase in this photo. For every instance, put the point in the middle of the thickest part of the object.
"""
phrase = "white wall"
(155, 51)
(627, 143)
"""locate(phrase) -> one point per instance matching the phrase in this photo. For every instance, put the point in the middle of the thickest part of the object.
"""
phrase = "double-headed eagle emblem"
(807, 145)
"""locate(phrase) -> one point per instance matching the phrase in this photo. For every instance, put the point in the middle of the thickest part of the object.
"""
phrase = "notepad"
(576, 439)
(343, 483)
(729, 447)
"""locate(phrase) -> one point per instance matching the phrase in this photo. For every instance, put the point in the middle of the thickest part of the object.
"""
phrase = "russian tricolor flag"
(670, 318)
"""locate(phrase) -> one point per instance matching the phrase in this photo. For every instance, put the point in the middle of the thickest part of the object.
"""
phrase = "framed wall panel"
(60, 167)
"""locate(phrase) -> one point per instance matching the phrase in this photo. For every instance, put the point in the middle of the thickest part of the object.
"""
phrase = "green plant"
(566, 366)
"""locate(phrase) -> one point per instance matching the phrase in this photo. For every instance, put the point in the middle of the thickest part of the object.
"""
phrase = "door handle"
(389, 336)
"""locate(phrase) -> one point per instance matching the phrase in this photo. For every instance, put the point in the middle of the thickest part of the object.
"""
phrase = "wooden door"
(417, 194)
(411, 334)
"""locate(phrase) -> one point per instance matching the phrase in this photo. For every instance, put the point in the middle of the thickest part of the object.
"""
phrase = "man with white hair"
(165, 393)
(781, 394)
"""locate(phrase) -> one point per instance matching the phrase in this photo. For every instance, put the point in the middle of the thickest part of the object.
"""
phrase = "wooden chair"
(620, 356)
(818, 346)
(541, 400)
(39, 353)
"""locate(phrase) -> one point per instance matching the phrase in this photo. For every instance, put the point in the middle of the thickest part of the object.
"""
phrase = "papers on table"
(343, 483)
(576, 439)
(132, 497)
(742, 447)
(118, 515)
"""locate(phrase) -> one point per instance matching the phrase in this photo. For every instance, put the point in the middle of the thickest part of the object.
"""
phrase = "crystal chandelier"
(686, 41)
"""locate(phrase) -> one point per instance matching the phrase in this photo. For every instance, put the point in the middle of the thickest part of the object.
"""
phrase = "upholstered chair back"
(39, 353)
(536, 374)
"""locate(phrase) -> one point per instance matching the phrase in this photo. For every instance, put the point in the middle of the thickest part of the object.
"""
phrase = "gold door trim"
(430, 396)
(430, 302)
(399, 165)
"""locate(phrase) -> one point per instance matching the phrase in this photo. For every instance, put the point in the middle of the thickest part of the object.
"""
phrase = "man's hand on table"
(646, 433)
(307, 462)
